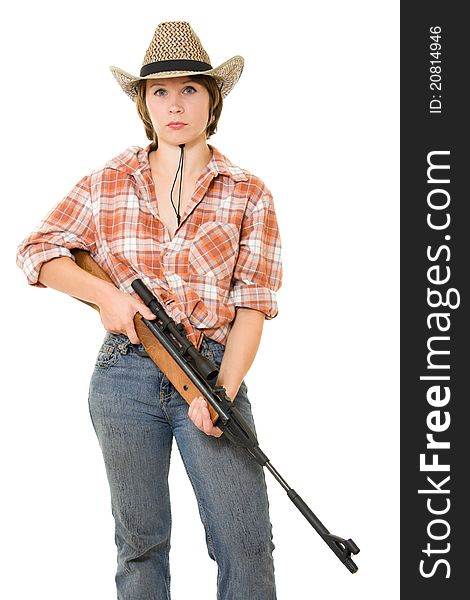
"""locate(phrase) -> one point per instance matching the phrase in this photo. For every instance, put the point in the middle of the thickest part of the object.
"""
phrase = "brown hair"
(215, 107)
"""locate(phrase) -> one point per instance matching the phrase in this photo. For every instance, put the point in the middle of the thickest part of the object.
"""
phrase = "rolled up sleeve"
(257, 275)
(68, 225)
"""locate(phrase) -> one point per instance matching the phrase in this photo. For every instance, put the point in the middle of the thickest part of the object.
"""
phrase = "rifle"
(192, 374)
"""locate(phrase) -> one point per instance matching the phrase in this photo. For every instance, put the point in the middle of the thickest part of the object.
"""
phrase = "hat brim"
(227, 74)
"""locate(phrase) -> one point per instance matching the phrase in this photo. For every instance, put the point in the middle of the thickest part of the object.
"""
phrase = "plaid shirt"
(226, 252)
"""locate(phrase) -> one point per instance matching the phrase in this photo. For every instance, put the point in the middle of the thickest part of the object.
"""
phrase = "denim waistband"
(123, 342)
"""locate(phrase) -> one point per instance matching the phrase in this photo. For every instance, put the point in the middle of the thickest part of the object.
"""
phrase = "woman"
(213, 258)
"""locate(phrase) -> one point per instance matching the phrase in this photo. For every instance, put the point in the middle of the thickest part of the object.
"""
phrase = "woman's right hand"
(117, 310)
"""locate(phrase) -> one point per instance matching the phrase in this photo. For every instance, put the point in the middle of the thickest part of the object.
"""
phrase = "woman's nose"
(174, 104)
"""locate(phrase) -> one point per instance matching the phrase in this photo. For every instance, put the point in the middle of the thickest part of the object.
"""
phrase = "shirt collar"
(135, 159)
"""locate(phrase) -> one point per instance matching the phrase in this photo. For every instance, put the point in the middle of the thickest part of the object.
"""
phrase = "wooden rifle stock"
(154, 349)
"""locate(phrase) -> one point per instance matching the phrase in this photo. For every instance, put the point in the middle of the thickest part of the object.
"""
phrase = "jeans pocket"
(107, 356)
(112, 347)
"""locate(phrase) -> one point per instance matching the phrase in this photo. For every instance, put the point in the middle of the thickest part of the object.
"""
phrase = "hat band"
(174, 65)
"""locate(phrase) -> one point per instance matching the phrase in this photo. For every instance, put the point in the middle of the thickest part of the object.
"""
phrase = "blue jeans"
(136, 411)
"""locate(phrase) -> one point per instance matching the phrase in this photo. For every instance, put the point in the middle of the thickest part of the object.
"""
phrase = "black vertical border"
(422, 132)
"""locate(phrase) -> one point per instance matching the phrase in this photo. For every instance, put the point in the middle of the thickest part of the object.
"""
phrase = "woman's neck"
(165, 159)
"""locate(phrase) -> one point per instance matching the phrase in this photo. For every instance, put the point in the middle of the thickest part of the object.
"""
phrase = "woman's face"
(178, 99)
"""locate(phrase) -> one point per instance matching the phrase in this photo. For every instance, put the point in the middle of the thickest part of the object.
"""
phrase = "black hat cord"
(180, 166)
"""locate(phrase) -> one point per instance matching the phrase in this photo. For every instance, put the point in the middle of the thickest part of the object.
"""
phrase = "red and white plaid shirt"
(226, 252)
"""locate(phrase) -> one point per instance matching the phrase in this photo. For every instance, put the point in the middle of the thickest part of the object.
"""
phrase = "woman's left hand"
(199, 415)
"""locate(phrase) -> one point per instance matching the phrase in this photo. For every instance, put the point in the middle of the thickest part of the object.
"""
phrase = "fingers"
(132, 335)
(145, 311)
(200, 416)
(130, 329)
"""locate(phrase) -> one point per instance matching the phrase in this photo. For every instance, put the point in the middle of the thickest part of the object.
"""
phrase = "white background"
(315, 115)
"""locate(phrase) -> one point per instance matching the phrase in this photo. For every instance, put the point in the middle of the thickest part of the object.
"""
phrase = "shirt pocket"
(214, 250)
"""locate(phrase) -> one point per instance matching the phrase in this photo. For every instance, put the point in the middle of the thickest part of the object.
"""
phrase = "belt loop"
(140, 350)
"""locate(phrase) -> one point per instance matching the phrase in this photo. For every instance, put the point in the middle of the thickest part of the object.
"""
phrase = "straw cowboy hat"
(175, 50)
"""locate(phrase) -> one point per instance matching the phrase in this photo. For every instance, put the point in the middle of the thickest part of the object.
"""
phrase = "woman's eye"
(189, 89)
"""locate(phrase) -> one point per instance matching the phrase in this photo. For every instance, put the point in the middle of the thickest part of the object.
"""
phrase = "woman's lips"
(176, 125)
